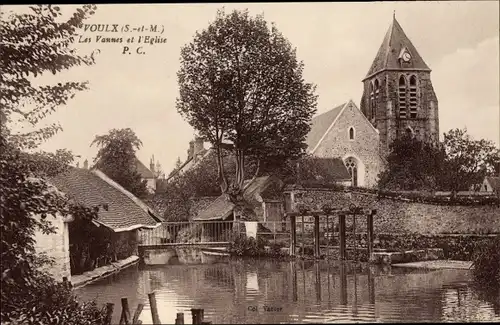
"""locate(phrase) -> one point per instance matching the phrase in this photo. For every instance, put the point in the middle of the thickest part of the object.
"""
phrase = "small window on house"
(402, 97)
(351, 133)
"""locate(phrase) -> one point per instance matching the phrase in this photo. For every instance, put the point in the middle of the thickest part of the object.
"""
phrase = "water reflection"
(297, 292)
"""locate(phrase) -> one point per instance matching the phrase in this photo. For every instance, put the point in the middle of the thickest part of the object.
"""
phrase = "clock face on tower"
(406, 57)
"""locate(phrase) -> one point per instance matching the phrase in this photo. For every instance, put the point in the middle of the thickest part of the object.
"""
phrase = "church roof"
(144, 171)
(320, 124)
(394, 43)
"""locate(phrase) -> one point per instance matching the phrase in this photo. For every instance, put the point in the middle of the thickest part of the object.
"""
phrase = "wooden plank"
(125, 316)
(293, 236)
(179, 319)
(137, 313)
(316, 237)
(154, 308)
(109, 313)
(342, 233)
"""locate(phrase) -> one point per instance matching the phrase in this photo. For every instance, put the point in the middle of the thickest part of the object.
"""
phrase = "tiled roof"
(333, 167)
(190, 163)
(222, 208)
(144, 171)
(394, 42)
(494, 182)
(91, 188)
(319, 126)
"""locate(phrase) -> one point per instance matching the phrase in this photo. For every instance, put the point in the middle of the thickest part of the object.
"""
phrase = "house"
(262, 201)
(195, 154)
(120, 217)
(345, 133)
(147, 174)
(491, 184)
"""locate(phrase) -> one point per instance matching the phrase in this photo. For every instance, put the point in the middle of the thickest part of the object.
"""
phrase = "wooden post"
(137, 313)
(316, 237)
(369, 235)
(318, 281)
(302, 237)
(293, 266)
(293, 235)
(327, 236)
(343, 284)
(197, 315)
(154, 308)
(371, 287)
(109, 313)
(342, 230)
(354, 235)
(125, 317)
(180, 319)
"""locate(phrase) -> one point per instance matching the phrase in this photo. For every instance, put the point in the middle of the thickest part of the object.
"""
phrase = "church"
(398, 98)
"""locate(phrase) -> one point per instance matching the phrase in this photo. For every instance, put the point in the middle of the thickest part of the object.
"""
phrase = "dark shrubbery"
(241, 245)
(44, 301)
(486, 263)
(454, 247)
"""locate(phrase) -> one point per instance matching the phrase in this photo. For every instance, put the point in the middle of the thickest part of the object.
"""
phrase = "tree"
(413, 165)
(468, 161)
(34, 43)
(116, 158)
(242, 89)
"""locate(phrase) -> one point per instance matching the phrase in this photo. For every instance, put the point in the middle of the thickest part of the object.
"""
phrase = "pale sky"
(337, 42)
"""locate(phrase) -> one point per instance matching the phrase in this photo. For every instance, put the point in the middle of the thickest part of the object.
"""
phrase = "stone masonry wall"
(397, 216)
(55, 246)
(364, 146)
(425, 126)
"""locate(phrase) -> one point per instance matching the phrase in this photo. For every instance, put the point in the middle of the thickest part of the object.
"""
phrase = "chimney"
(191, 149)
(198, 146)
(152, 164)
(86, 164)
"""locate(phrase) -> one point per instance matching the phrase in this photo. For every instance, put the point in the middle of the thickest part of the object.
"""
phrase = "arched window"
(372, 100)
(402, 97)
(413, 96)
(376, 97)
(351, 133)
(352, 168)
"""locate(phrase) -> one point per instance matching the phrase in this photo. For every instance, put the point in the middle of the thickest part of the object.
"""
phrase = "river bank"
(437, 265)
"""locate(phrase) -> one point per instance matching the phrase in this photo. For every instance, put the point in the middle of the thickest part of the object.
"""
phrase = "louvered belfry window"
(402, 97)
(413, 97)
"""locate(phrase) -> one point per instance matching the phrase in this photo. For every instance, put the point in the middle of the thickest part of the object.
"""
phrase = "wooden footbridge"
(325, 230)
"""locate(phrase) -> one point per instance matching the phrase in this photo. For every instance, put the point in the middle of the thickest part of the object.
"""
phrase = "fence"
(273, 232)
(175, 233)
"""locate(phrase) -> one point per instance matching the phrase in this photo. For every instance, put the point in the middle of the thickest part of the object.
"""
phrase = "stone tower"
(398, 97)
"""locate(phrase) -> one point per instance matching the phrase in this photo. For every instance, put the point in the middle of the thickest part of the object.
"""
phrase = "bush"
(486, 263)
(45, 301)
(241, 245)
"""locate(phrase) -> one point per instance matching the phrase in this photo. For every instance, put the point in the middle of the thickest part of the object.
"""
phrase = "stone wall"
(399, 216)
(55, 246)
(386, 118)
(364, 148)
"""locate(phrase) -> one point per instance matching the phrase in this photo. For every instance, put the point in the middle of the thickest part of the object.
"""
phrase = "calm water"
(300, 292)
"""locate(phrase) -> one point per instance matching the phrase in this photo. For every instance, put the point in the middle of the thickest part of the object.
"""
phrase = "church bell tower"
(398, 97)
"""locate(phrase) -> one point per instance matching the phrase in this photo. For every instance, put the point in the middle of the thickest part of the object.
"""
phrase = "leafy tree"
(116, 158)
(242, 89)
(468, 161)
(413, 165)
(32, 44)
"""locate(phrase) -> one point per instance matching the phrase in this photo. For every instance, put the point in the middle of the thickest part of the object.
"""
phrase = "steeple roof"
(395, 43)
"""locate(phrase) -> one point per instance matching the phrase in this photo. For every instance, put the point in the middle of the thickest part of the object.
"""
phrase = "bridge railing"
(186, 232)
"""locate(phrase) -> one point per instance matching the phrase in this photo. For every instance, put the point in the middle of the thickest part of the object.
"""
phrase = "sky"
(337, 42)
